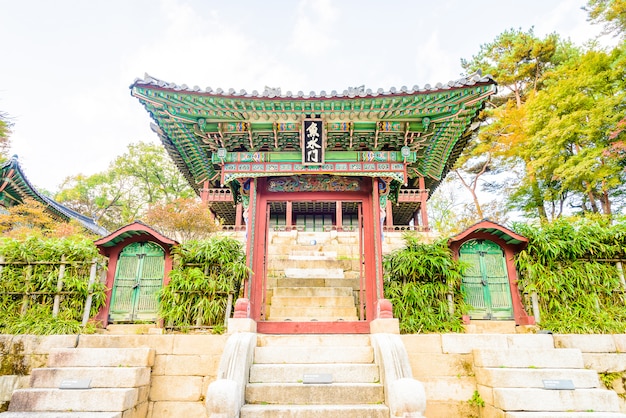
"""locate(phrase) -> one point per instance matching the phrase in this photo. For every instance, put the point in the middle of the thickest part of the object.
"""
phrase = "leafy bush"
(204, 274)
(28, 284)
(571, 265)
(418, 280)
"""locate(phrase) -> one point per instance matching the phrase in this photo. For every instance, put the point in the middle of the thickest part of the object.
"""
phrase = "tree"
(183, 219)
(517, 60)
(611, 13)
(141, 177)
(570, 124)
(31, 219)
(5, 133)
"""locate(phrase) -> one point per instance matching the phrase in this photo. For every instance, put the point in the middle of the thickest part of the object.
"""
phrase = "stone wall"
(186, 364)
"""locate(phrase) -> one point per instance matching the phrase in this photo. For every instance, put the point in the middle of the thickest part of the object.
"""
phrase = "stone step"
(568, 414)
(318, 340)
(541, 400)
(75, 400)
(101, 357)
(313, 311)
(317, 282)
(313, 354)
(308, 411)
(297, 291)
(62, 415)
(562, 358)
(292, 318)
(334, 301)
(278, 262)
(101, 377)
(533, 378)
(303, 273)
(294, 373)
(314, 394)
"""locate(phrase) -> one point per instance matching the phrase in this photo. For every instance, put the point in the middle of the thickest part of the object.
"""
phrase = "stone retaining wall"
(186, 364)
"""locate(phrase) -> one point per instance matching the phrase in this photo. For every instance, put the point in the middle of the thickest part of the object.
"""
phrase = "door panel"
(138, 279)
(485, 281)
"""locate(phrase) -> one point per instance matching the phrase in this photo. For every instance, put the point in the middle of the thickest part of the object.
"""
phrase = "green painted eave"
(433, 122)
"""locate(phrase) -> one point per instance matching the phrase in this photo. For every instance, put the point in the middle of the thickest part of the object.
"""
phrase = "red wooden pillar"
(423, 197)
(204, 192)
(389, 218)
(238, 216)
(338, 216)
(289, 215)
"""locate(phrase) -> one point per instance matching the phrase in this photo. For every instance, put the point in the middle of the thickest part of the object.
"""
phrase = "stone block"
(530, 341)
(606, 362)
(176, 388)
(178, 410)
(199, 344)
(184, 365)
(449, 388)
(448, 409)
(431, 365)
(620, 342)
(466, 343)
(385, 325)
(422, 343)
(162, 344)
(315, 394)
(8, 384)
(563, 358)
(241, 325)
(597, 343)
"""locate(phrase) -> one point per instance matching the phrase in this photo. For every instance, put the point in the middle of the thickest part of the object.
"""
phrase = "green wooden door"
(138, 279)
(486, 281)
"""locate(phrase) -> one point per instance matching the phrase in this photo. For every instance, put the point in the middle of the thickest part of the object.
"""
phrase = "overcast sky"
(65, 66)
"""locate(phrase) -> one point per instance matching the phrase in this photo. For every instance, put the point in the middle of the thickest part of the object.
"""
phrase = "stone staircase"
(311, 277)
(114, 384)
(512, 384)
(277, 385)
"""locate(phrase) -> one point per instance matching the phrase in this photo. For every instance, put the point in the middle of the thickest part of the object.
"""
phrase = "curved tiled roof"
(16, 188)
(350, 93)
(434, 121)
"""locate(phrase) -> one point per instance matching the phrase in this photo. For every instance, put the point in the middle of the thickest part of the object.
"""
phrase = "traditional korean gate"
(138, 279)
(486, 282)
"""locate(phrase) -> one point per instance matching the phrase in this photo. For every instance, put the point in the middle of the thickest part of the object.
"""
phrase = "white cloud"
(312, 33)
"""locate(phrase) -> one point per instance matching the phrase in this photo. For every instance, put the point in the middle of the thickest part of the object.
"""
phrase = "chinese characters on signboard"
(312, 142)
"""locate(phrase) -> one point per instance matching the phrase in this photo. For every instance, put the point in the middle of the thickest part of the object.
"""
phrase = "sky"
(66, 66)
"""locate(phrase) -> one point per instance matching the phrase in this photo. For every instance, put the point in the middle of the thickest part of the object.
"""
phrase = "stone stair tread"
(309, 411)
(292, 318)
(101, 377)
(305, 273)
(294, 373)
(313, 312)
(324, 340)
(61, 415)
(568, 414)
(329, 301)
(315, 291)
(308, 354)
(561, 358)
(314, 394)
(101, 357)
(79, 400)
(528, 378)
(538, 400)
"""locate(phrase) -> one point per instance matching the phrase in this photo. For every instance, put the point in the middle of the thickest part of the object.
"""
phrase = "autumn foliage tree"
(183, 219)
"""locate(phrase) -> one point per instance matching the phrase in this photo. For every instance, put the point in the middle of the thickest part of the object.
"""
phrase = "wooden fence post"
(57, 296)
(25, 298)
(92, 279)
